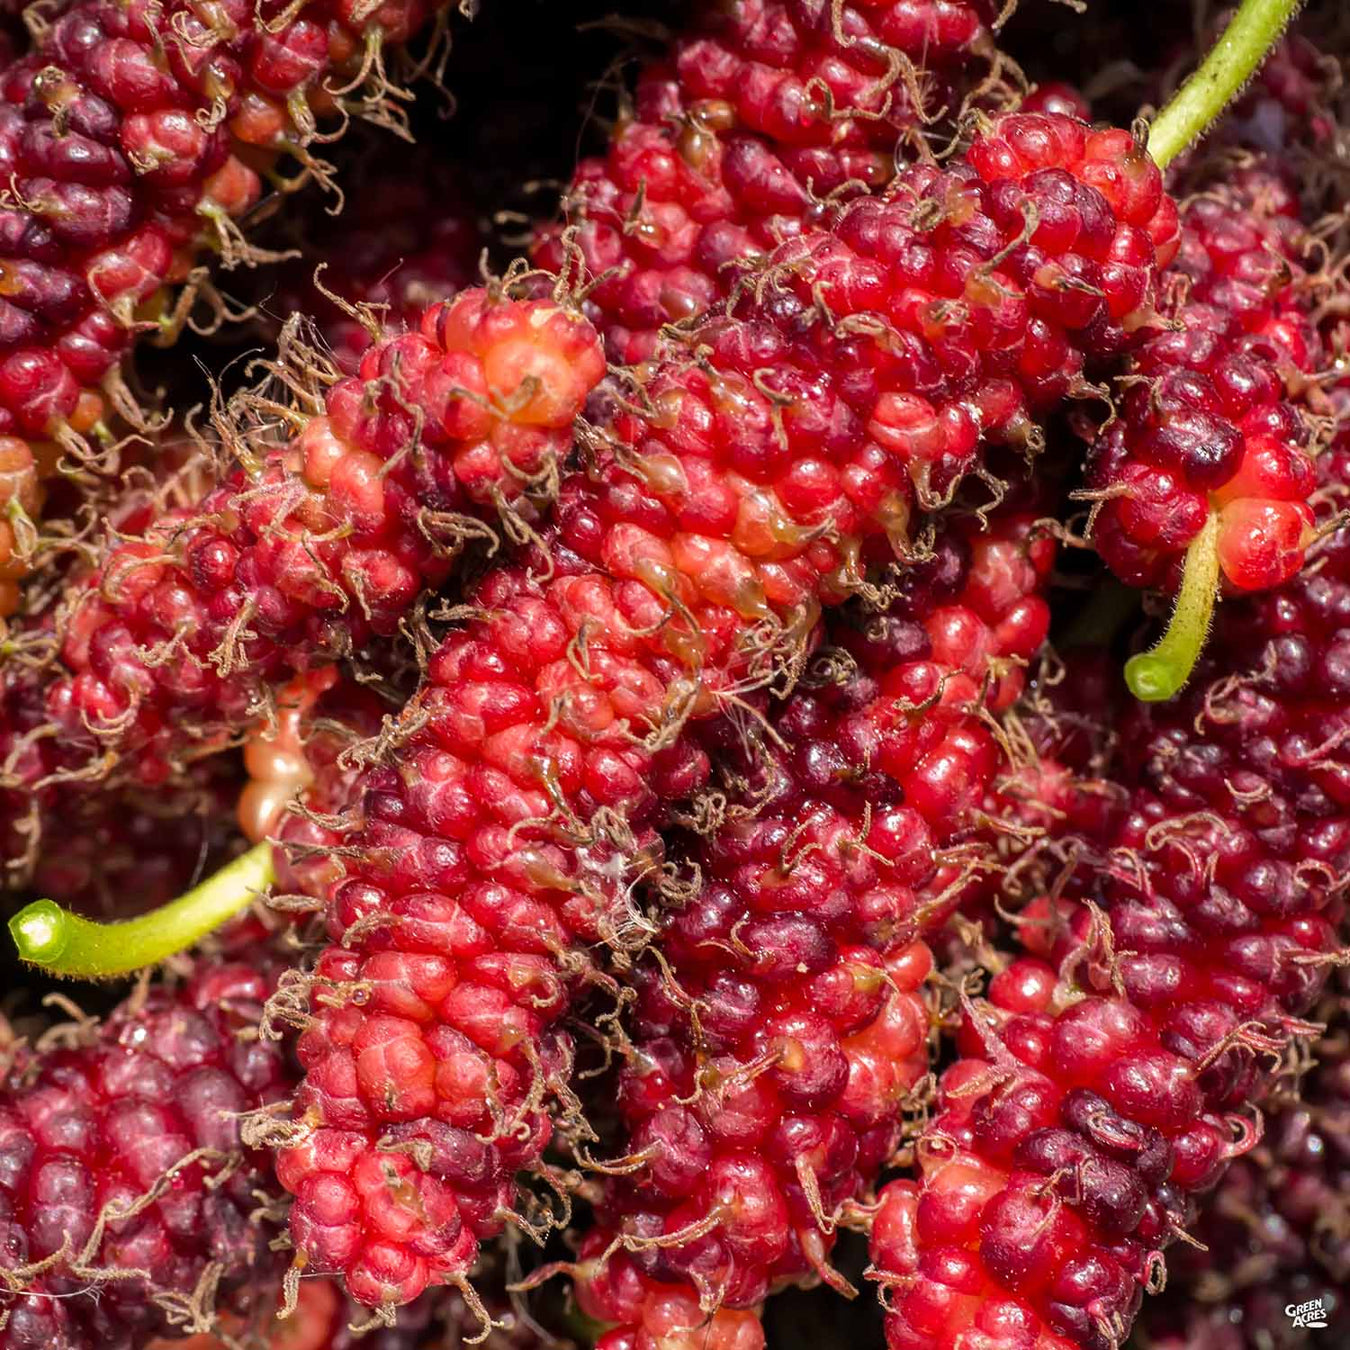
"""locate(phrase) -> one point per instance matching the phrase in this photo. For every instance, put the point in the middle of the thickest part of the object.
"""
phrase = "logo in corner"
(1309, 1314)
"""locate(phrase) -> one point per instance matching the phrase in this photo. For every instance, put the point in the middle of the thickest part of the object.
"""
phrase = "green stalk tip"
(1162, 671)
(40, 932)
(66, 944)
(1231, 62)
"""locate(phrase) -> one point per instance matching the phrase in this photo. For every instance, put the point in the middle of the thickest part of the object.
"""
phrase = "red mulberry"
(775, 1044)
(748, 134)
(1101, 1093)
(1208, 462)
(306, 551)
(1209, 426)
(124, 1194)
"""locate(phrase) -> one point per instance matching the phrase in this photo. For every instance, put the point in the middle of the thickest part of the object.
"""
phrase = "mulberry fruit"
(1206, 471)
(125, 1196)
(302, 554)
(775, 1044)
(750, 132)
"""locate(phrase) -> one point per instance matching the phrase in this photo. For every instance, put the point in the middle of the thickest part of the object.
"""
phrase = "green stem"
(1231, 62)
(66, 944)
(1160, 673)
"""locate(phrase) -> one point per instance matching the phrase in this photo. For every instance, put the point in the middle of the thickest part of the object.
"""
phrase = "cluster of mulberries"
(648, 761)
(1107, 1078)
(523, 785)
(948, 325)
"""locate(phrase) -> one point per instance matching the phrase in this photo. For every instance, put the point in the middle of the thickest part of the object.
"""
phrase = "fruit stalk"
(1161, 672)
(67, 944)
(1244, 44)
